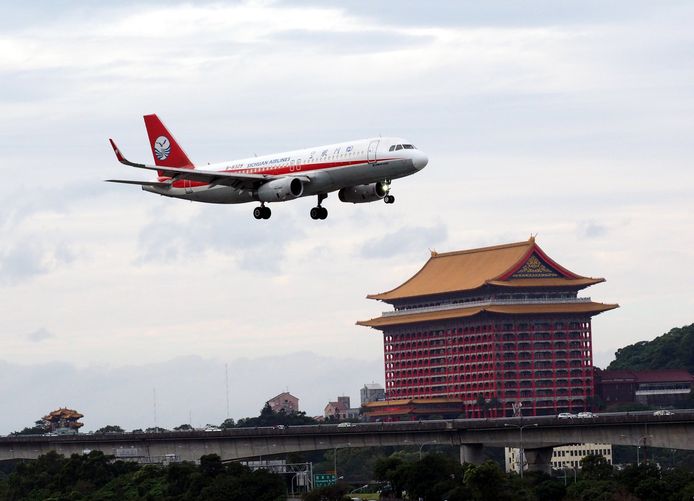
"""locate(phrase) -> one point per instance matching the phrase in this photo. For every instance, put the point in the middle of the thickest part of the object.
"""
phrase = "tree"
(594, 467)
(111, 428)
(487, 481)
(673, 350)
(183, 427)
(39, 428)
(481, 405)
(156, 429)
(228, 423)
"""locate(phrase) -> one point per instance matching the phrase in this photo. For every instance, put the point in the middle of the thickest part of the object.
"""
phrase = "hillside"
(674, 350)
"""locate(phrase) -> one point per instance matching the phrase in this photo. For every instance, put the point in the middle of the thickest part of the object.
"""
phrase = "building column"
(471, 453)
(539, 459)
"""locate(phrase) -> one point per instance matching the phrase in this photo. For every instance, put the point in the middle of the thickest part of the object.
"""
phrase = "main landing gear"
(319, 212)
(389, 199)
(262, 212)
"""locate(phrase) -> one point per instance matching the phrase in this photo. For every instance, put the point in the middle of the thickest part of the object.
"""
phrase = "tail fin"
(165, 149)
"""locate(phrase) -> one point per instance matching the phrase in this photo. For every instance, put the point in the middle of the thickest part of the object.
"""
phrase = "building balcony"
(486, 302)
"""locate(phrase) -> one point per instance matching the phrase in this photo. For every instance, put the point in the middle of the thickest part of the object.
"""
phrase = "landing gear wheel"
(262, 212)
(319, 212)
(389, 199)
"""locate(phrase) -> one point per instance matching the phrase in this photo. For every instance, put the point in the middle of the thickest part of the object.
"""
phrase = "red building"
(496, 327)
(667, 387)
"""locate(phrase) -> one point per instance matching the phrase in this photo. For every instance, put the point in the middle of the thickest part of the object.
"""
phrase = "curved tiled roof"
(471, 269)
(512, 309)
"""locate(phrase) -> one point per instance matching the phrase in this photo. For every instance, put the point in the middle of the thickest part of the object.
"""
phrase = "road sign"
(323, 479)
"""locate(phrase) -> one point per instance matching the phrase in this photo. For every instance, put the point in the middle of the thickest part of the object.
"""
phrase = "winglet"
(119, 156)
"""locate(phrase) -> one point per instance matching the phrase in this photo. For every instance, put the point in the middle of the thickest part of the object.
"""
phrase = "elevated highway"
(539, 436)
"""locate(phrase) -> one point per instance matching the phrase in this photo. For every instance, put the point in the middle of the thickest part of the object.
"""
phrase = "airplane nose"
(420, 160)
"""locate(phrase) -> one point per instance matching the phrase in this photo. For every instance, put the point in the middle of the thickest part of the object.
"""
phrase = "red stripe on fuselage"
(277, 171)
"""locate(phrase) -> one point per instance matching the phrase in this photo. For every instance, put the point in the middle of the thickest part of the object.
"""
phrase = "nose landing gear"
(389, 199)
(319, 212)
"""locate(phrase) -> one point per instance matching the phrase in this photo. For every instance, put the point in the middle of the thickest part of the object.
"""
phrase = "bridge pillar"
(539, 459)
(471, 453)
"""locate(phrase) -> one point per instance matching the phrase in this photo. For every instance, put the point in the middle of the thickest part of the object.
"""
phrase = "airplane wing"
(233, 179)
(156, 184)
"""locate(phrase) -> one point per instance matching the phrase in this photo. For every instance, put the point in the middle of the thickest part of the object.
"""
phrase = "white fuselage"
(322, 169)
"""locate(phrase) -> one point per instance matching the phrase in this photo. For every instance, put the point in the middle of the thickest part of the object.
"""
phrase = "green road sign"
(323, 479)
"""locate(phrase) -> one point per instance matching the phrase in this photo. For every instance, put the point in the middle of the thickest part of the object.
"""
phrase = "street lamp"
(565, 467)
(643, 439)
(521, 449)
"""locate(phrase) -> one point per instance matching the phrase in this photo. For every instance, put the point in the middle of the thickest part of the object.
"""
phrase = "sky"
(569, 120)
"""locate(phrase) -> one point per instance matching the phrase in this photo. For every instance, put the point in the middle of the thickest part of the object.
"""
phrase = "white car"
(344, 425)
(566, 415)
(586, 415)
(663, 412)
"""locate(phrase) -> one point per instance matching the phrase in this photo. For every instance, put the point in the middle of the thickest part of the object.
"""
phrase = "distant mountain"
(674, 350)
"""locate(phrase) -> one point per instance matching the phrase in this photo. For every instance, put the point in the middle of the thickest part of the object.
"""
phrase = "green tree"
(111, 428)
(184, 427)
(594, 467)
(487, 482)
(39, 428)
(228, 423)
(673, 350)
(433, 476)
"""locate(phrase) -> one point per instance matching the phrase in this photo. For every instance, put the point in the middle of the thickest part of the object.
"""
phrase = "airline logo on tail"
(162, 147)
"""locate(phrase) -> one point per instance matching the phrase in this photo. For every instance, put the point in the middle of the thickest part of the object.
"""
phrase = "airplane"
(360, 171)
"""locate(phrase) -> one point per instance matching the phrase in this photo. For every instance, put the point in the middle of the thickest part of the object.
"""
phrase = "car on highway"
(566, 415)
(586, 415)
(344, 425)
(663, 412)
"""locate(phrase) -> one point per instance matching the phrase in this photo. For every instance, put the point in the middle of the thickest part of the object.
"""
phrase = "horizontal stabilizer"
(155, 184)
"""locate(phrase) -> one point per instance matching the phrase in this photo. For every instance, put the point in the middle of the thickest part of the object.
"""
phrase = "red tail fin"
(165, 149)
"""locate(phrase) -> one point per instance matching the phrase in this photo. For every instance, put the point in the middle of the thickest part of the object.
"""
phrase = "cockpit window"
(392, 148)
(398, 147)
(408, 146)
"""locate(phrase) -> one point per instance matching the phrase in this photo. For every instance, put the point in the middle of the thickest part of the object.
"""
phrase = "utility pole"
(154, 403)
(226, 373)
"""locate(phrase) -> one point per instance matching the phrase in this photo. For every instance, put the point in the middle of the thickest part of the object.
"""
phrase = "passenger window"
(399, 147)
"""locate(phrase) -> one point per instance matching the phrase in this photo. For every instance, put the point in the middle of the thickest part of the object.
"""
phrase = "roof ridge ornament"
(433, 252)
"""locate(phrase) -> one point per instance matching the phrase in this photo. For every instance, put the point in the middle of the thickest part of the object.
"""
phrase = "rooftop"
(520, 264)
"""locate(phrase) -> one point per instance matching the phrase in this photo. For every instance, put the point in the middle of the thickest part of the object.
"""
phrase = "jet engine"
(364, 193)
(278, 190)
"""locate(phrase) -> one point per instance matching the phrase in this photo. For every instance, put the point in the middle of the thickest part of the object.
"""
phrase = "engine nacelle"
(364, 193)
(278, 190)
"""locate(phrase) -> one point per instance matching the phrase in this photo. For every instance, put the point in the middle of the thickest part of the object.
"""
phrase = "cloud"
(40, 335)
(26, 259)
(256, 245)
(591, 229)
(405, 240)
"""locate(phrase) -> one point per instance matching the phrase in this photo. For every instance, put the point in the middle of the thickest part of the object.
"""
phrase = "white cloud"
(40, 335)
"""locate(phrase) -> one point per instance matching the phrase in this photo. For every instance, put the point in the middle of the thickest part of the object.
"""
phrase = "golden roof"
(520, 264)
(63, 413)
(412, 401)
(516, 309)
